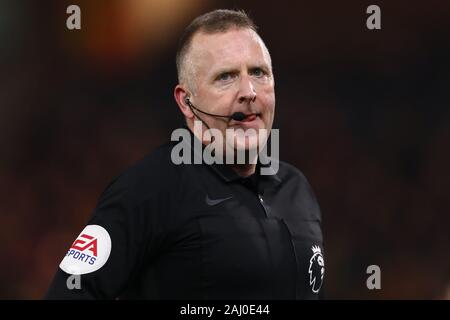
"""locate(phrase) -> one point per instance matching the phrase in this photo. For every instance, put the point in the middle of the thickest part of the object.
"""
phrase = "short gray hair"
(217, 21)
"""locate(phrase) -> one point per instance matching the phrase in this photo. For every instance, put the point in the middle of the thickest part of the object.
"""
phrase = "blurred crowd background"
(364, 114)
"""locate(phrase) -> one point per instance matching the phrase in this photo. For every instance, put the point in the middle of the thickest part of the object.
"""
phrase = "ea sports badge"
(89, 252)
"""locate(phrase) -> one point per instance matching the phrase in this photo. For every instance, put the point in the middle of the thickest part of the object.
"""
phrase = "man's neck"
(243, 170)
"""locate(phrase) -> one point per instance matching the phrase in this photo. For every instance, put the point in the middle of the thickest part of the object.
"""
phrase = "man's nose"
(247, 92)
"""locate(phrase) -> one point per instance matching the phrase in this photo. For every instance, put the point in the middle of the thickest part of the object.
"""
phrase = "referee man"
(165, 230)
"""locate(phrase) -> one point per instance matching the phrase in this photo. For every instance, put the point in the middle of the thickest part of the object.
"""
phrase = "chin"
(246, 144)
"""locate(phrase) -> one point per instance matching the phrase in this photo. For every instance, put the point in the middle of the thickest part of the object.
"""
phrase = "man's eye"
(257, 72)
(224, 76)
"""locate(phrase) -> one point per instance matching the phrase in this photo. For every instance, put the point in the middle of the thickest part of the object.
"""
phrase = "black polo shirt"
(197, 231)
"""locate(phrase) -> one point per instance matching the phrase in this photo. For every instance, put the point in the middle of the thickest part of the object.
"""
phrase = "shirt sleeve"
(104, 258)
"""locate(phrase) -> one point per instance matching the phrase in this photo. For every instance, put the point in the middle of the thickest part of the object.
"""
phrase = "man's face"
(233, 73)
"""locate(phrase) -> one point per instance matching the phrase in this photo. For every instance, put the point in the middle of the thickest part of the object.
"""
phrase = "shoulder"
(288, 172)
(145, 179)
(294, 180)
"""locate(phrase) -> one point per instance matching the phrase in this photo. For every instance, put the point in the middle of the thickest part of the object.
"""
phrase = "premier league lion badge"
(316, 269)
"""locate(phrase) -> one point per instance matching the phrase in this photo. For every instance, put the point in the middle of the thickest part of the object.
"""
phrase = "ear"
(180, 95)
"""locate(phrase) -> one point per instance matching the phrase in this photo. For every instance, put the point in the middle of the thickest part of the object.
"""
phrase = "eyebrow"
(224, 70)
(262, 66)
(220, 71)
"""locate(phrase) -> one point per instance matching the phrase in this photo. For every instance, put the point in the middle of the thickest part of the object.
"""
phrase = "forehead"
(231, 49)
